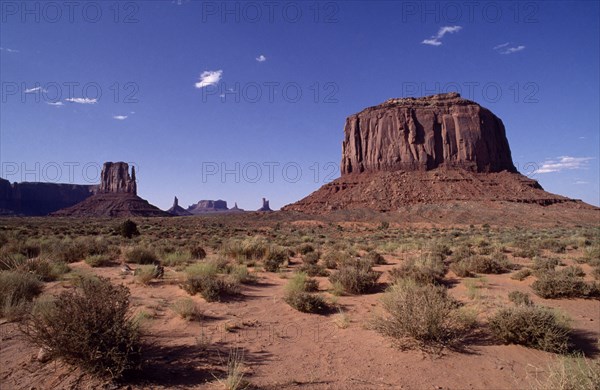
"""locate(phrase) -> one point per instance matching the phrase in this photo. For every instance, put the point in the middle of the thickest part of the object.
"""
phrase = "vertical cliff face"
(115, 178)
(421, 134)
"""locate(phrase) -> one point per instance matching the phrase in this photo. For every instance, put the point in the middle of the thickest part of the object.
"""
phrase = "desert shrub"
(311, 257)
(561, 284)
(305, 248)
(596, 273)
(187, 309)
(461, 268)
(241, 274)
(519, 298)
(423, 270)
(314, 270)
(204, 278)
(297, 294)
(553, 245)
(128, 229)
(89, 328)
(198, 252)
(250, 248)
(98, 260)
(375, 258)
(531, 326)
(482, 265)
(140, 255)
(592, 255)
(17, 290)
(423, 316)
(332, 258)
(573, 271)
(275, 259)
(545, 264)
(356, 277)
(11, 261)
(521, 274)
(572, 373)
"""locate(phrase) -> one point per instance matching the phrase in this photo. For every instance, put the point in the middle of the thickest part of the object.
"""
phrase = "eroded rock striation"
(115, 178)
(420, 134)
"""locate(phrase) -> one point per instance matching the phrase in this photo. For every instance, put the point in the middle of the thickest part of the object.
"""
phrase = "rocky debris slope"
(439, 149)
(177, 210)
(39, 199)
(117, 197)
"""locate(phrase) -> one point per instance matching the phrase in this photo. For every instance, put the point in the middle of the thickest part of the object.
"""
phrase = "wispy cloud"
(261, 58)
(82, 100)
(435, 40)
(6, 49)
(581, 182)
(36, 89)
(209, 77)
(506, 48)
(56, 104)
(564, 163)
(120, 117)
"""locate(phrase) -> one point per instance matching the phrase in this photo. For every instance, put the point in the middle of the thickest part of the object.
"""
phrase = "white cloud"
(506, 49)
(209, 77)
(6, 49)
(261, 58)
(563, 163)
(120, 117)
(36, 89)
(581, 182)
(82, 100)
(435, 39)
(56, 104)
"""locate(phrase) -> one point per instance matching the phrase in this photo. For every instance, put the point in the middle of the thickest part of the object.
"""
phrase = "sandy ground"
(284, 348)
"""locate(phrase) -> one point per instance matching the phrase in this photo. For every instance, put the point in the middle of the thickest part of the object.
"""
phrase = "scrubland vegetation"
(430, 283)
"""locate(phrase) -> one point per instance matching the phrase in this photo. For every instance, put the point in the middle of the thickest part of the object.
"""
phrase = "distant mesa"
(208, 206)
(438, 149)
(40, 199)
(116, 197)
(177, 210)
(265, 205)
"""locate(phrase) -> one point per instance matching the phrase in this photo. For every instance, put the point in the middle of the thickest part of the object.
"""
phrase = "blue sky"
(244, 100)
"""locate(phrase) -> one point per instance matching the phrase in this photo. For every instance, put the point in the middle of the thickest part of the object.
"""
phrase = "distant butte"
(116, 197)
(439, 149)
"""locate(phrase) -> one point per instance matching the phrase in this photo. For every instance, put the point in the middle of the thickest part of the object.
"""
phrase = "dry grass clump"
(98, 260)
(17, 290)
(422, 316)
(298, 294)
(375, 258)
(187, 309)
(571, 373)
(521, 274)
(90, 328)
(355, 276)
(140, 255)
(532, 326)
(204, 278)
